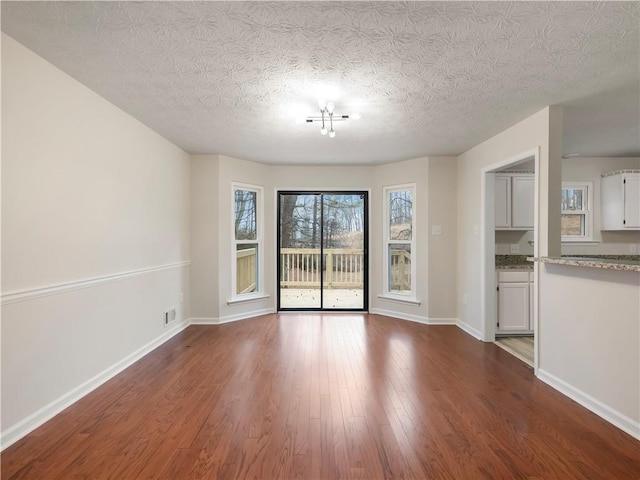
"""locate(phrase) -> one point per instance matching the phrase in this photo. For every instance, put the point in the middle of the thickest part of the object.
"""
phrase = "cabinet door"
(502, 206)
(631, 200)
(611, 202)
(522, 199)
(513, 307)
(531, 301)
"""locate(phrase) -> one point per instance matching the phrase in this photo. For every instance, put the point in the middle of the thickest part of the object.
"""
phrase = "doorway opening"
(510, 234)
(322, 251)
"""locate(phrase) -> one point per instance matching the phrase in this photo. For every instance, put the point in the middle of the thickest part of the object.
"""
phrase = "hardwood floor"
(325, 396)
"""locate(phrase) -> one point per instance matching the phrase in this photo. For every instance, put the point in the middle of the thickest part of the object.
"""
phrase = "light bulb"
(322, 103)
(330, 107)
(332, 133)
(323, 131)
(355, 116)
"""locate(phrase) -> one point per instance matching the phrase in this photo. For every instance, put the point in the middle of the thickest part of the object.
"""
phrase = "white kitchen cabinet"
(502, 188)
(531, 301)
(514, 201)
(620, 200)
(522, 199)
(514, 302)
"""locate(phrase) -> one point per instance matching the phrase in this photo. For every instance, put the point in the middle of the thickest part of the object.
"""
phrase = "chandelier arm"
(327, 110)
(319, 119)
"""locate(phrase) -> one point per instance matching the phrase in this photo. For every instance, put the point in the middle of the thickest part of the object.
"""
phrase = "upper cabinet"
(620, 200)
(514, 201)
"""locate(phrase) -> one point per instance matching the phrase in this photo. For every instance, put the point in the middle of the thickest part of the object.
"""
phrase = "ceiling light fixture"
(327, 116)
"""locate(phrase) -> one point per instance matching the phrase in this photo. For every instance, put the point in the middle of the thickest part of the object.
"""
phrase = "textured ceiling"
(428, 78)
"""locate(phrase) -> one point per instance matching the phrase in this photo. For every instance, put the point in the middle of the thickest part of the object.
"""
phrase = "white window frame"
(409, 297)
(259, 292)
(587, 211)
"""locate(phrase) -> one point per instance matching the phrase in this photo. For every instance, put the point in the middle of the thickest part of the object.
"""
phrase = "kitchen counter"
(629, 263)
(516, 266)
(513, 262)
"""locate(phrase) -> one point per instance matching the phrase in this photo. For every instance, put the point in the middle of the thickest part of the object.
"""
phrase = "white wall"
(95, 239)
(590, 170)
(505, 238)
(442, 202)
(590, 340)
(204, 238)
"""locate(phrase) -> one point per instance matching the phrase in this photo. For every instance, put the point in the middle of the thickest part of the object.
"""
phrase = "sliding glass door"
(322, 257)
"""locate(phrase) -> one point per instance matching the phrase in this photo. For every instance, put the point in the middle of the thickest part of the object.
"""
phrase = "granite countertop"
(513, 262)
(629, 263)
(515, 266)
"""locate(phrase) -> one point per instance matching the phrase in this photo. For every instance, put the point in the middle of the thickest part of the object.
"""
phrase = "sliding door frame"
(365, 247)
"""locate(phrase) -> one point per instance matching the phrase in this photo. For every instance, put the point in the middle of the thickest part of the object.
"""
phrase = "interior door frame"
(321, 192)
(489, 307)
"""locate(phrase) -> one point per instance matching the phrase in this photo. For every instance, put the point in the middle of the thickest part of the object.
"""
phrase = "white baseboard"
(400, 315)
(442, 321)
(229, 318)
(414, 318)
(203, 321)
(611, 415)
(244, 316)
(469, 329)
(33, 421)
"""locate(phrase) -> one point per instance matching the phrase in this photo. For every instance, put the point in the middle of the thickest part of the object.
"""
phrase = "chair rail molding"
(56, 289)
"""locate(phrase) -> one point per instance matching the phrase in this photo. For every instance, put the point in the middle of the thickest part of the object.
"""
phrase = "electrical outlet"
(514, 248)
(633, 249)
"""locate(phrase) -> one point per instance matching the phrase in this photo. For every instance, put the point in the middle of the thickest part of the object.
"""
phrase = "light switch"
(436, 230)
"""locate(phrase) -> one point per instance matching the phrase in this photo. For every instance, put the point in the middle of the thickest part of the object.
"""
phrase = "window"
(247, 239)
(577, 218)
(400, 240)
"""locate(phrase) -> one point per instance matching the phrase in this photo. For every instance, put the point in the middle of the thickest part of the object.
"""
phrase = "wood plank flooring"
(519, 346)
(325, 396)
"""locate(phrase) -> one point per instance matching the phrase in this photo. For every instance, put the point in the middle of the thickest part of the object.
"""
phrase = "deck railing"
(302, 267)
(400, 271)
(246, 271)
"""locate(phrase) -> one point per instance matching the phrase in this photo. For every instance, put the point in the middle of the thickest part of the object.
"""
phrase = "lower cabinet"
(514, 302)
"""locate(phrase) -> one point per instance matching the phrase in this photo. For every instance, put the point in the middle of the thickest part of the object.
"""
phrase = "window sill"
(405, 300)
(249, 298)
(580, 242)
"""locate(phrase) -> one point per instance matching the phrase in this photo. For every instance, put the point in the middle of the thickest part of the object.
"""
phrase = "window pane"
(245, 215)
(573, 224)
(246, 268)
(572, 199)
(400, 268)
(400, 214)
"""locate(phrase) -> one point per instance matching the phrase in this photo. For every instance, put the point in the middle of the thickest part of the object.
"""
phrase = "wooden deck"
(337, 298)
(325, 396)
